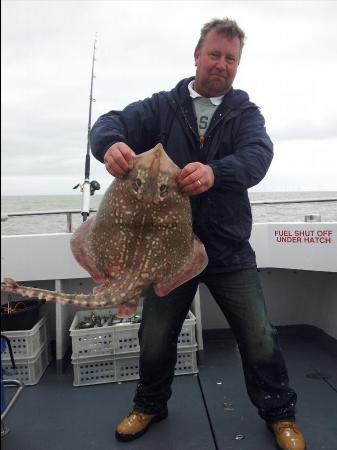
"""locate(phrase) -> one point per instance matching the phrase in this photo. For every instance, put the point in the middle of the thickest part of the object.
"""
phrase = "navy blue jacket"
(236, 146)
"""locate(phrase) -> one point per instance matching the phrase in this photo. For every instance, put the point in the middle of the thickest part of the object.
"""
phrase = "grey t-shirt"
(204, 110)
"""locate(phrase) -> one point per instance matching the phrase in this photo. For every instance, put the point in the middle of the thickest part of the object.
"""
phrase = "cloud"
(143, 47)
(302, 165)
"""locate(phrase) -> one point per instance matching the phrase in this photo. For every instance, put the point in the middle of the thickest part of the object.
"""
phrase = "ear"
(196, 56)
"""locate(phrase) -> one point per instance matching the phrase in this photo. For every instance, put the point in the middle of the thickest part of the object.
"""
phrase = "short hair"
(226, 26)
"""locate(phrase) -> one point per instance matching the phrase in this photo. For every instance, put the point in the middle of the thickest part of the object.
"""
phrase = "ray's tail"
(101, 299)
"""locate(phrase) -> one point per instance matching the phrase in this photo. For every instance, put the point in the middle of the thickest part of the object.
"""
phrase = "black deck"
(207, 411)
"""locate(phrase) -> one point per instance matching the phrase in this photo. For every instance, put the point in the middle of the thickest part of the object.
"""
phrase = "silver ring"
(199, 182)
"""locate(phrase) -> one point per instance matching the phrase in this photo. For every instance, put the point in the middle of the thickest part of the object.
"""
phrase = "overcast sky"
(288, 67)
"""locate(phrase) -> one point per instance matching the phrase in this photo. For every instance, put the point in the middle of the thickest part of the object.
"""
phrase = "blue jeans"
(240, 297)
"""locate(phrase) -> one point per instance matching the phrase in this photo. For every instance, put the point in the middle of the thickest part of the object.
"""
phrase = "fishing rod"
(88, 188)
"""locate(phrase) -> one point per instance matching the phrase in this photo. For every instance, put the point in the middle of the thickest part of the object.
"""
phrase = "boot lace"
(139, 414)
(286, 425)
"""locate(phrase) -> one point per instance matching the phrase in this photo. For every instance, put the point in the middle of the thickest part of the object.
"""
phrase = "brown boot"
(136, 424)
(287, 435)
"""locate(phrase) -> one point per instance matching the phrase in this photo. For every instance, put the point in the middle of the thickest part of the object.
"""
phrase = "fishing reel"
(94, 186)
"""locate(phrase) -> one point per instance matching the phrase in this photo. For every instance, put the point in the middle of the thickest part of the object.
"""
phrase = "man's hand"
(119, 159)
(195, 178)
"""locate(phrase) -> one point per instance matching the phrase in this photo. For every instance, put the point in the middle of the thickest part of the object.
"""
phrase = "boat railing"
(69, 212)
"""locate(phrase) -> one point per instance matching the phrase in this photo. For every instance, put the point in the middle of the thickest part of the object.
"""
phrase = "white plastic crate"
(187, 333)
(29, 370)
(26, 343)
(108, 369)
(117, 339)
(105, 369)
(94, 371)
(187, 361)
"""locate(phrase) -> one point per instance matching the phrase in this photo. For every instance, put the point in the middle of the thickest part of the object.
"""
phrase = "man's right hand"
(118, 159)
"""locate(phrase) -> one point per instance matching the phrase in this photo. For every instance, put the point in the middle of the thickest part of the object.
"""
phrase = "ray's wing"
(80, 250)
(194, 265)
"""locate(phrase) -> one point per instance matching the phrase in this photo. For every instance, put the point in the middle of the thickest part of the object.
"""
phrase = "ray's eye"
(137, 184)
(163, 190)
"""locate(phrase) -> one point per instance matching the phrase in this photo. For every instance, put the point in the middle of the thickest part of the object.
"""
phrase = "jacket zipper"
(199, 139)
(203, 138)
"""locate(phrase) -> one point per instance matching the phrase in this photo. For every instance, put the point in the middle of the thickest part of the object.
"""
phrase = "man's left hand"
(195, 178)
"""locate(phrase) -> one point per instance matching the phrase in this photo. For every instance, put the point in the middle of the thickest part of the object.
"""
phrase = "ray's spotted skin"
(141, 235)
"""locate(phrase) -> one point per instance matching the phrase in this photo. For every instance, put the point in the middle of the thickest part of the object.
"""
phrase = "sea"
(56, 223)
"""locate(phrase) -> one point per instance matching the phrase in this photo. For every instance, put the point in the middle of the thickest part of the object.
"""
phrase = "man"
(219, 139)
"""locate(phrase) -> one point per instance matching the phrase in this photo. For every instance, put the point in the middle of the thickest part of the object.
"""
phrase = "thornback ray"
(141, 236)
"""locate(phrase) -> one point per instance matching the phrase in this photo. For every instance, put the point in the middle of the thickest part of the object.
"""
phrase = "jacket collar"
(234, 99)
(216, 101)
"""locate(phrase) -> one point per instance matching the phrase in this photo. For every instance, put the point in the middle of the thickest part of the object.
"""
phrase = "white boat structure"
(298, 267)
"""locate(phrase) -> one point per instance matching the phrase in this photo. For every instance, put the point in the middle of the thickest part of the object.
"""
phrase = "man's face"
(217, 61)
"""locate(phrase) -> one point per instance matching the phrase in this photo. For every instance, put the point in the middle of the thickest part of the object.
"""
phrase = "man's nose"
(221, 64)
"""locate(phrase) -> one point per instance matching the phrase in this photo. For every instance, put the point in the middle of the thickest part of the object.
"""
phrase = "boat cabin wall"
(298, 271)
